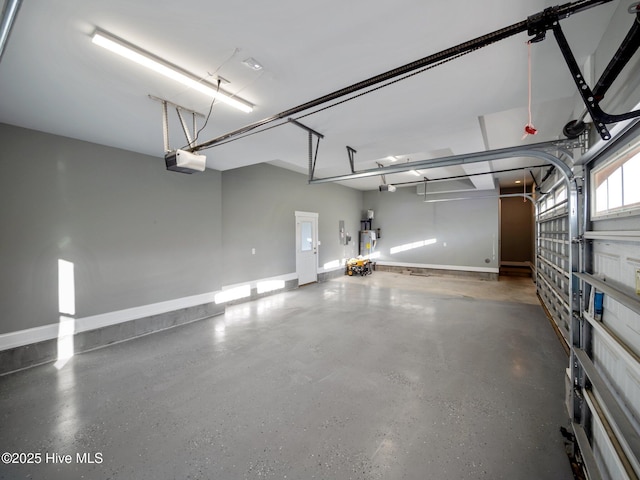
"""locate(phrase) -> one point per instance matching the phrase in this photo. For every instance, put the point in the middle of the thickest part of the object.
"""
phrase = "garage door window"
(616, 184)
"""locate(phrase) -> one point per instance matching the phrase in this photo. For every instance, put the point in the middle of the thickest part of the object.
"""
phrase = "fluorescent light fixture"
(518, 181)
(252, 63)
(158, 65)
(9, 14)
(416, 173)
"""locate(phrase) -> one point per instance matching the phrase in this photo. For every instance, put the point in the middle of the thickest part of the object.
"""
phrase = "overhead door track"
(534, 25)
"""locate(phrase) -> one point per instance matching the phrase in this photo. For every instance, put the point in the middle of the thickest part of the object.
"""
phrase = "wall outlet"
(253, 251)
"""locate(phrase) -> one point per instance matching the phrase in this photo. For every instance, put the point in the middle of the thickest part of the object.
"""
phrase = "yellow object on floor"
(359, 266)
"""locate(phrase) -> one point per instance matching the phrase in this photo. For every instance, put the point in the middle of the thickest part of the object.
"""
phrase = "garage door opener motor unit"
(185, 162)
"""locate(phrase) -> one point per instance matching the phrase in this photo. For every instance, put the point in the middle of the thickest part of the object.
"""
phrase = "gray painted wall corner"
(259, 205)
(457, 233)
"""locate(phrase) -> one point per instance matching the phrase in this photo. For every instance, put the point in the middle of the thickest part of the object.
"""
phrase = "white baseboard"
(28, 336)
(93, 322)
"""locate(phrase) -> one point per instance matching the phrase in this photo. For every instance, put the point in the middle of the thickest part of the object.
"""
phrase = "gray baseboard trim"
(26, 356)
(326, 276)
(419, 271)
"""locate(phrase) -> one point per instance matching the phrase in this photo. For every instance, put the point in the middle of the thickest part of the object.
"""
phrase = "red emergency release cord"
(529, 129)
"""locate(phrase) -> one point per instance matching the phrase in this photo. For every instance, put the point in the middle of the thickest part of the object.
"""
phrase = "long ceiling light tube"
(156, 64)
(9, 13)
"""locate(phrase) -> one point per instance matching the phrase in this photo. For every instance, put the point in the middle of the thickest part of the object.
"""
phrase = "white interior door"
(306, 247)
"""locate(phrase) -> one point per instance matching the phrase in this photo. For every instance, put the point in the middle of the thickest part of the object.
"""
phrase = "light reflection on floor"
(394, 381)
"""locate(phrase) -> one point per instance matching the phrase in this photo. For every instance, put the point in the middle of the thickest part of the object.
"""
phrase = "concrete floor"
(379, 377)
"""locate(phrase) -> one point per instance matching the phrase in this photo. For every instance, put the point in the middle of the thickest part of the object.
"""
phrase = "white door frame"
(307, 269)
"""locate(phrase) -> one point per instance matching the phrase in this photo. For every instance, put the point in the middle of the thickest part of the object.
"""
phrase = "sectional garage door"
(588, 278)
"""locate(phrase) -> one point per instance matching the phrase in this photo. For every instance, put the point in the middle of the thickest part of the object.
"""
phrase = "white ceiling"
(53, 79)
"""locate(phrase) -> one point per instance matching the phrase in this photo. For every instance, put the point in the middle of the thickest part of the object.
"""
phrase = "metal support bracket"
(191, 139)
(313, 158)
(304, 127)
(165, 127)
(600, 119)
(549, 19)
(185, 129)
(538, 24)
(382, 177)
(350, 152)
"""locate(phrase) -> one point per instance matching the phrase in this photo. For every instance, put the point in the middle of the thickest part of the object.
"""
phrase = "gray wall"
(136, 233)
(259, 205)
(468, 227)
